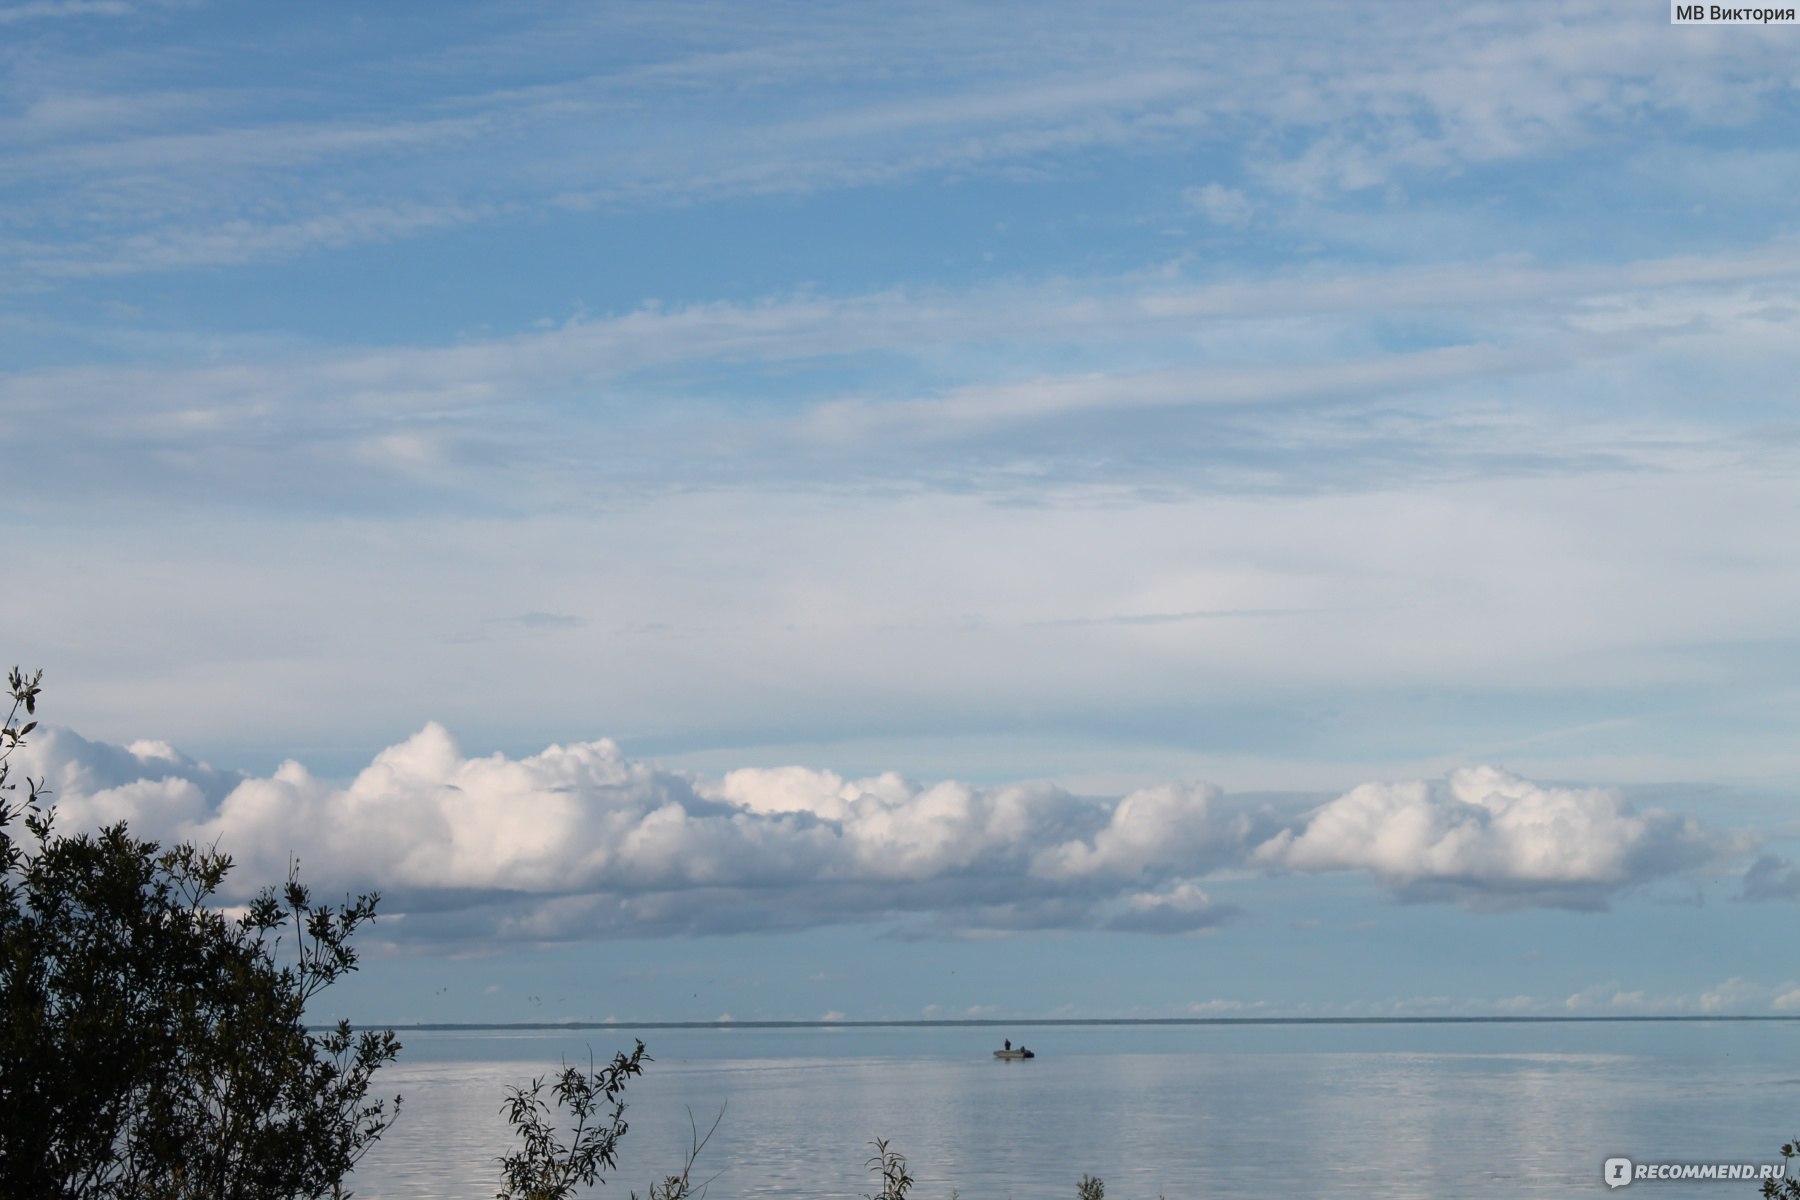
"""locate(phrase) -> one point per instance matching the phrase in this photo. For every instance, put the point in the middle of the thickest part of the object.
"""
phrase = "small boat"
(1021, 1052)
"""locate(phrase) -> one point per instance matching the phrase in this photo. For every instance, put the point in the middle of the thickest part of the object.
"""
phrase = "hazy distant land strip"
(987, 1022)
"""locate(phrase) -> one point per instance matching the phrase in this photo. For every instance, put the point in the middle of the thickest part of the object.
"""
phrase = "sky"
(923, 510)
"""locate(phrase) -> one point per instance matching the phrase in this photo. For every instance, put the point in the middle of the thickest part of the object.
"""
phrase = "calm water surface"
(1229, 1111)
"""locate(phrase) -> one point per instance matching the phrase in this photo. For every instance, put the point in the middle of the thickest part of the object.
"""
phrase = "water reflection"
(1187, 1112)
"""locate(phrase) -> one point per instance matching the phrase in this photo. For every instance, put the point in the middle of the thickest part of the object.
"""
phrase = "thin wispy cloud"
(1172, 618)
(50, 10)
(1419, 103)
(604, 381)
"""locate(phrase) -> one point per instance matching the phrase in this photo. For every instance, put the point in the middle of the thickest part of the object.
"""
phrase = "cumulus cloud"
(1734, 996)
(148, 784)
(1151, 828)
(581, 842)
(1772, 877)
(1489, 839)
(1738, 995)
(1611, 997)
(894, 829)
(1226, 1008)
(1183, 908)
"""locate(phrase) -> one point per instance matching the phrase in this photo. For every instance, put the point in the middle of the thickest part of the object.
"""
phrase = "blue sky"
(930, 509)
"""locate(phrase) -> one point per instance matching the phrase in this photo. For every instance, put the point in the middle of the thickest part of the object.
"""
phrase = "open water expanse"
(1465, 1109)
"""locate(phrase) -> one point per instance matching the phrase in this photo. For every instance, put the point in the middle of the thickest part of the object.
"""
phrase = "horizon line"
(1041, 1022)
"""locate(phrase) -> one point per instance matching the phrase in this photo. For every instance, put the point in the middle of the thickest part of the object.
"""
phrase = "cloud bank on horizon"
(579, 842)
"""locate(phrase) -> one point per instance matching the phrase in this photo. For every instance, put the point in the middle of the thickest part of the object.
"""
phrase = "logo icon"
(1616, 1172)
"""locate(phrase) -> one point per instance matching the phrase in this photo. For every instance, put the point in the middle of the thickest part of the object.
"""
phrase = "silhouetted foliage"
(1090, 1189)
(545, 1168)
(150, 1044)
(680, 1186)
(890, 1166)
(1787, 1187)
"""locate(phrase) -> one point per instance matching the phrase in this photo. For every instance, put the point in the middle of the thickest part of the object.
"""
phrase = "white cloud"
(1226, 1008)
(1172, 825)
(1735, 996)
(895, 829)
(1492, 839)
(1738, 995)
(579, 841)
(149, 784)
(1610, 997)
(1182, 908)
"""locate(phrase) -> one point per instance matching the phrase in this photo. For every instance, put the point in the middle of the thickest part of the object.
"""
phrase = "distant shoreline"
(1051, 1022)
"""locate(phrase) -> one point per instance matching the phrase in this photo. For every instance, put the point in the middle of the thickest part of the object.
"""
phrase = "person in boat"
(1009, 1043)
